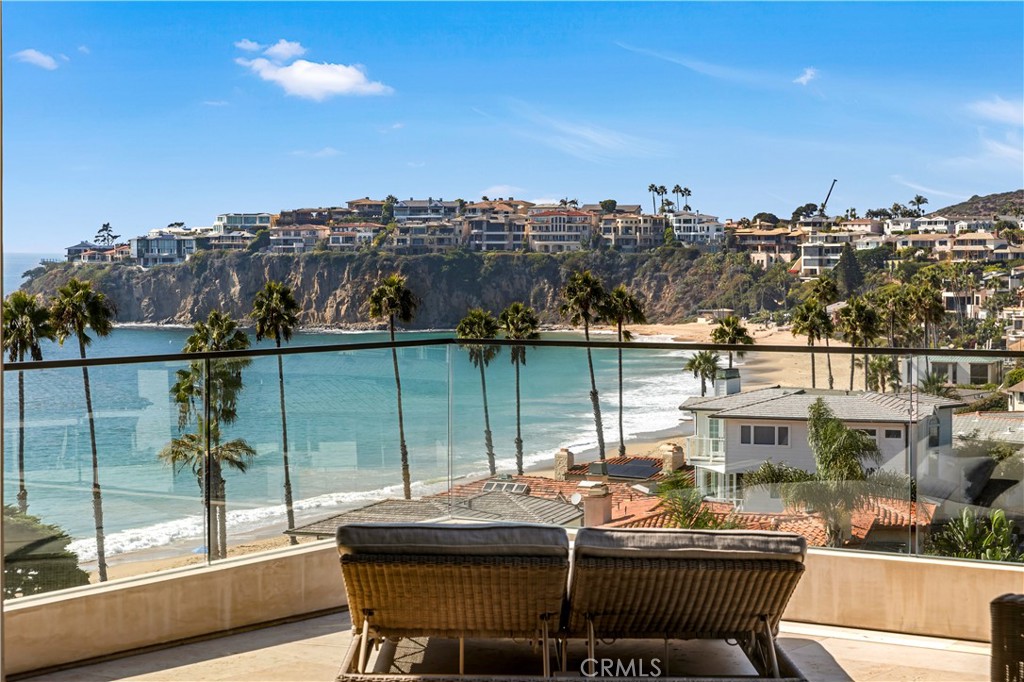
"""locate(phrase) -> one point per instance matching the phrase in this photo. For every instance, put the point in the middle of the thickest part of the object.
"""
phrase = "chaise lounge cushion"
(674, 543)
(430, 539)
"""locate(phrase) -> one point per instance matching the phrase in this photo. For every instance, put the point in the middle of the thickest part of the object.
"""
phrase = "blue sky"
(141, 114)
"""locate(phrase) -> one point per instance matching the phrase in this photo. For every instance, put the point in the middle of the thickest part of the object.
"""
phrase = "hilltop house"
(695, 228)
(249, 222)
(735, 433)
(558, 230)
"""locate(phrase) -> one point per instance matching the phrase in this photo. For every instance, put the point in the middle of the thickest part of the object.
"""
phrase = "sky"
(143, 114)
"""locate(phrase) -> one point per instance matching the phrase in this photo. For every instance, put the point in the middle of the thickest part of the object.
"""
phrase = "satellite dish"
(576, 498)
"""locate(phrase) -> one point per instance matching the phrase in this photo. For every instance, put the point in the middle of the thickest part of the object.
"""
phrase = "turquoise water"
(342, 425)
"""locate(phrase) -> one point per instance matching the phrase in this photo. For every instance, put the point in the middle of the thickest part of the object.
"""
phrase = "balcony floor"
(313, 649)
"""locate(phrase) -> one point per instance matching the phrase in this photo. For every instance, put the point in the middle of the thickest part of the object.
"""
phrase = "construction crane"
(821, 209)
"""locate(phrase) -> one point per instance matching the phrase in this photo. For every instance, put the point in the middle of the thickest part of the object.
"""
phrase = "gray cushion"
(662, 543)
(498, 539)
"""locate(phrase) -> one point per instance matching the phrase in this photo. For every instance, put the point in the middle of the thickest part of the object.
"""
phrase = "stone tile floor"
(312, 650)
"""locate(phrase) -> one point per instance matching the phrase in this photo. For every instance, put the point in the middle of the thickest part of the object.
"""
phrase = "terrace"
(202, 599)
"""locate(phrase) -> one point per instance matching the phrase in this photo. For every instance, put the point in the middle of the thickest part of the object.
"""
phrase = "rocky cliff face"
(333, 289)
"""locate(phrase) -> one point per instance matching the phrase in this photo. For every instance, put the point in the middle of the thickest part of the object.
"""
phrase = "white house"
(736, 433)
(935, 223)
(695, 228)
(820, 253)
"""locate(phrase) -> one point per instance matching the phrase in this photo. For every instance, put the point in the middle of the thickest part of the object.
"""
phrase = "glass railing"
(190, 459)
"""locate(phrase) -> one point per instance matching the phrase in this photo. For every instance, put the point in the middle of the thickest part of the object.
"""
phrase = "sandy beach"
(757, 370)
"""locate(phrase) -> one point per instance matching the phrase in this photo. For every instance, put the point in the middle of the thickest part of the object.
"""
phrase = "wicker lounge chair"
(685, 584)
(452, 581)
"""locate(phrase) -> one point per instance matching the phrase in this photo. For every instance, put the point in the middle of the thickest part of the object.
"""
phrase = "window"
(893, 433)
(933, 433)
(764, 435)
(979, 373)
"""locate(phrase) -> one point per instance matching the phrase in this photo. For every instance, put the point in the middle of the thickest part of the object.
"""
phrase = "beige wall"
(915, 596)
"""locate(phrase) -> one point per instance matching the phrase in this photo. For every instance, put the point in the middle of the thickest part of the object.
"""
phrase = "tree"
(480, 324)
(622, 308)
(935, 384)
(685, 509)
(670, 237)
(839, 485)
(391, 300)
(731, 331)
(826, 291)
(36, 556)
(519, 323)
(810, 319)
(685, 193)
(653, 189)
(676, 191)
(75, 309)
(582, 298)
(917, 202)
(204, 451)
(883, 371)
(259, 242)
(25, 324)
(704, 365)
(770, 218)
(848, 271)
(276, 313)
(609, 205)
(805, 211)
(105, 235)
(387, 211)
(860, 326)
(971, 536)
(662, 191)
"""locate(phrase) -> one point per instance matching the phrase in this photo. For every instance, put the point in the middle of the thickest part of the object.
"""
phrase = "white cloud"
(316, 81)
(215, 103)
(84, 49)
(35, 58)
(64, 57)
(585, 140)
(1010, 150)
(248, 45)
(284, 51)
(726, 73)
(809, 74)
(501, 191)
(323, 153)
(898, 179)
(999, 110)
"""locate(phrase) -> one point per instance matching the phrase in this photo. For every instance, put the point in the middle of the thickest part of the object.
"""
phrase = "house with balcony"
(735, 433)
(955, 370)
(366, 207)
(862, 226)
(820, 253)
(931, 244)
(297, 238)
(163, 247)
(557, 231)
(229, 240)
(935, 224)
(695, 228)
(498, 207)
(313, 216)
(73, 254)
(425, 210)
(492, 232)
(236, 222)
(900, 224)
(977, 247)
(417, 238)
(351, 236)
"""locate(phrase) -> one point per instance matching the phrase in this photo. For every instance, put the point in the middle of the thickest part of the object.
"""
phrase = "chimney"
(727, 381)
(671, 457)
(564, 460)
(597, 506)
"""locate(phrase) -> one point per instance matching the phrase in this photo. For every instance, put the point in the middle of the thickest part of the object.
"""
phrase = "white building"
(695, 228)
(820, 253)
(249, 222)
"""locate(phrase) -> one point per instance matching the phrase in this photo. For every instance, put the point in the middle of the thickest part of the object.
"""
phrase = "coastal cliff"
(333, 288)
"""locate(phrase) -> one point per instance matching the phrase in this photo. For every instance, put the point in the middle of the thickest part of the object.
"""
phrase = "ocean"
(342, 426)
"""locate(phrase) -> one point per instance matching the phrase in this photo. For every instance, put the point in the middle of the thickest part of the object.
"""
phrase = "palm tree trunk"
(288, 502)
(519, 432)
(865, 371)
(406, 482)
(810, 343)
(730, 359)
(852, 363)
(488, 441)
(22, 491)
(703, 385)
(828, 361)
(622, 437)
(220, 508)
(97, 495)
(593, 395)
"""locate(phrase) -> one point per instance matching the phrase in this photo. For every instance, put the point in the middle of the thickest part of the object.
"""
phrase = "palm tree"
(25, 324)
(810, 319)
(480, 324)
(704, 365)
(917, 202)
(203, 450)
(520, 324)
(583, 296)
(653, 189)
(860, 326)
(662, 191)
(621, 308)
(77, 308)
(927, 309)
(686, 194)
(276, 313)
(676, 191)
(935, 384)
(826, 291)
(391, 299)
(840, 485)
(730, 330)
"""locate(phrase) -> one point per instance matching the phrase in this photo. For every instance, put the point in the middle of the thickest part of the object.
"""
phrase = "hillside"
(1005, 203)
(333, 288)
